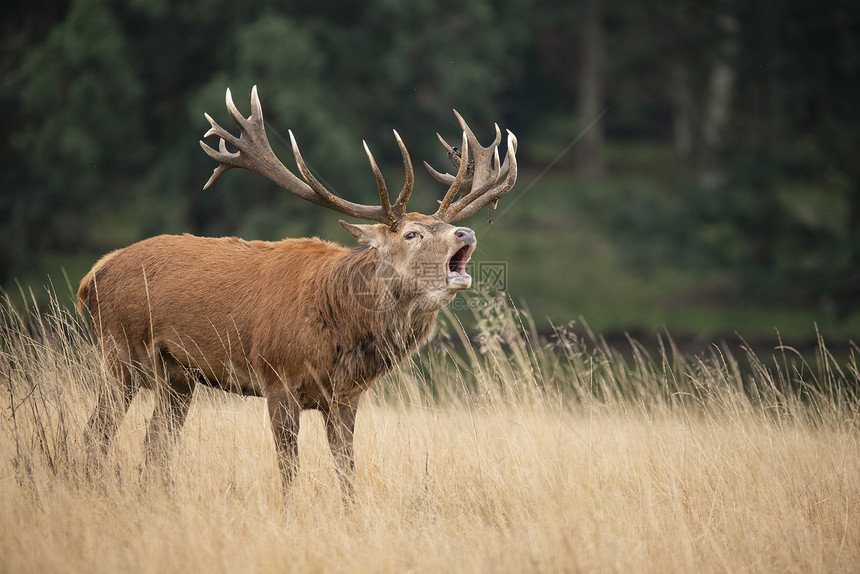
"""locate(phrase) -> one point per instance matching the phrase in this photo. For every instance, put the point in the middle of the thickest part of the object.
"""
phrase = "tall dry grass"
(511, 454)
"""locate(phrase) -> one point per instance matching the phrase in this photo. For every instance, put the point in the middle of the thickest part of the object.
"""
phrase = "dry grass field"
(511, 455)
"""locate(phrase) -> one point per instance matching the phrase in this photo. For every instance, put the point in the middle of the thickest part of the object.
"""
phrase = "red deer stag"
(305, 323)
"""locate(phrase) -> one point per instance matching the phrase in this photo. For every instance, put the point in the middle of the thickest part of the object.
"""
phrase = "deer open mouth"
(456, 266)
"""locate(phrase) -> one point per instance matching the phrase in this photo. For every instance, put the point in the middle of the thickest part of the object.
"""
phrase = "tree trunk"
(590, 162)
(717, 108)
(848, 291)
(683, 114)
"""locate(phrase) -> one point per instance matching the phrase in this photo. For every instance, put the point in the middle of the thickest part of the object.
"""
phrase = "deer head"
(427, 249)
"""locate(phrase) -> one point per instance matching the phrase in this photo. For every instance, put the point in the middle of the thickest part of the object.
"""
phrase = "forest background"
(684, 165)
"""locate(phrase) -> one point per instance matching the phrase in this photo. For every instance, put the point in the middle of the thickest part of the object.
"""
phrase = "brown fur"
(306, 323)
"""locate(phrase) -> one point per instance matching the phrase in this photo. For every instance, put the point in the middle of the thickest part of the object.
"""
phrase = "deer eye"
(411, 235)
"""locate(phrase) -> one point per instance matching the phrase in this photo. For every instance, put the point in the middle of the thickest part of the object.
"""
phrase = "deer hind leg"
(114, 398)
(173, 389)
(284, 413)
(340, 429)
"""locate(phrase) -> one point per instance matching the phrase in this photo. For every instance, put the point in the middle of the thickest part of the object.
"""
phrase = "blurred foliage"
(777, 201)
(732, 128)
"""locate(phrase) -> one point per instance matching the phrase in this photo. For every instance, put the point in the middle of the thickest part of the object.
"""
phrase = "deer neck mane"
(387, 322)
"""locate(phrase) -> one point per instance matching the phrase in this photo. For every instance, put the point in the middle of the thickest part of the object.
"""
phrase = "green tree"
(72, 88)
(782, 214)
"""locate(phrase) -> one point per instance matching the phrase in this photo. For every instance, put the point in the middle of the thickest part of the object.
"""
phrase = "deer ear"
(370, 234)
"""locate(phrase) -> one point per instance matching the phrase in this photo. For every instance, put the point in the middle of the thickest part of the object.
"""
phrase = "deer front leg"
(172, 401)
(174, 389)
(284, 412)
(114, 397)
(340, 426)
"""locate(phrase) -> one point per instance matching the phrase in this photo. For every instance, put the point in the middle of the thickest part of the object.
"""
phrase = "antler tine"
(458, 181)
(221, 152)
(256, 108)
(406, 192)
(507, 164)
(454, 156)
(481, 156)
(445, 178)
(254, 153)
(474, 140)
(234, 111)
(468, 205)
(253, 150)
(489, 178)
(497, 174)
(380, 183)
(447, 147)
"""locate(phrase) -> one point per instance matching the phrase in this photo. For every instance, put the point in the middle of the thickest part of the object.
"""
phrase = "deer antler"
(480, 181)
(255, 154)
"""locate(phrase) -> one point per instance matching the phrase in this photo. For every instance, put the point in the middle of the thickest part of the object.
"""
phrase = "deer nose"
(465, 235)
